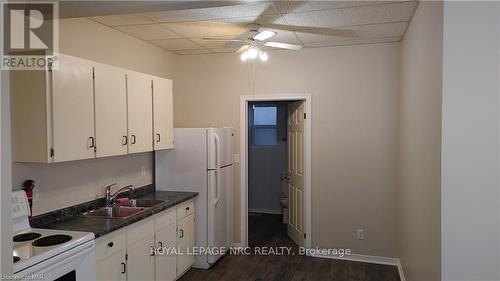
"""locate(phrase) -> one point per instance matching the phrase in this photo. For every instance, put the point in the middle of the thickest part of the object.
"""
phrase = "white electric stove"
(50, 254)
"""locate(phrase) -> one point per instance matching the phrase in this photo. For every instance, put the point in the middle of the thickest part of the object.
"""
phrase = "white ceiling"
(306, 23)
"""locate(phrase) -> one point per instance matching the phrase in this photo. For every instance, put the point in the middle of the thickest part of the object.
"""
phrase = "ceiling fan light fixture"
(244, 56)
(263, 56)
(264, 35)
(252, 52)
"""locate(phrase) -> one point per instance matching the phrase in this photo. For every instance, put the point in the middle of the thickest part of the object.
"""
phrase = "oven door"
(77, 264)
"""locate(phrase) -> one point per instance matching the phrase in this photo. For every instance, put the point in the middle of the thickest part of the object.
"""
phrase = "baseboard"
(369, 259)
(265, 211)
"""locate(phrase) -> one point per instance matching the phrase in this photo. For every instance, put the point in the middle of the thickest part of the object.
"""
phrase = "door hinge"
(126, 256)
(305, 235)
(305, 115)
(52, 152)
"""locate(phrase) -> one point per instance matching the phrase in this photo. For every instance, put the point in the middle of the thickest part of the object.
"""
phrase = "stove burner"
(16, 259)
(51, 240)
(26, 236)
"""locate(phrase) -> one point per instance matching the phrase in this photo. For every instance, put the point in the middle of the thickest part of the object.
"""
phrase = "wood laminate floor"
(267, 230)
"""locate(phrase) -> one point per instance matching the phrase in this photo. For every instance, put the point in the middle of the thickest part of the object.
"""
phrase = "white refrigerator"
(201, 161)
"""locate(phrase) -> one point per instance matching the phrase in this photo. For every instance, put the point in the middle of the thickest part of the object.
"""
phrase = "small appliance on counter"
(49, 253)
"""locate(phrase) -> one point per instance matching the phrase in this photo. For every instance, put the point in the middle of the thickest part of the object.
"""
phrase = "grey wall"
(420, 145)
(470, 145)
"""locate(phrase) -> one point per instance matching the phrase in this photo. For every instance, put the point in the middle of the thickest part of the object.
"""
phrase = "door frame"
(244, 100)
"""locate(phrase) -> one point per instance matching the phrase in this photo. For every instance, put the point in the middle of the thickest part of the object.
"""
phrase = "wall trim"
(368, 259)
(244, 100)
(265, 211)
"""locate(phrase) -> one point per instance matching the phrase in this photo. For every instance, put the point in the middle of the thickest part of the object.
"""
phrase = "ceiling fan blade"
(223, 40)
(313, 30)
(264, 35)
(283, 45)
(243, 48)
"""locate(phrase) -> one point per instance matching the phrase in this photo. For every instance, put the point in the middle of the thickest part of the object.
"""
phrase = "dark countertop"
(102, 226)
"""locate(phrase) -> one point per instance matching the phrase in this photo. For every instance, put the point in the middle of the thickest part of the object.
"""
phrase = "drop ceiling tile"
(355, 33)
(213, 44)
(352, 42)
(287, 7)
(225, 50)
(352, 16)
(176, 44)
(223, 12)
(117, 20)
(205, 29)
(193, 52)
(148, 31)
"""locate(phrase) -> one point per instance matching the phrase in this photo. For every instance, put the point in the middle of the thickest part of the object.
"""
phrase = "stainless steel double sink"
(123, 210)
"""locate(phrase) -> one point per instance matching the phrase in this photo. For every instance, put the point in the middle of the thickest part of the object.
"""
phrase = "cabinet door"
(110, 110)
(73, 110)
(163, 116)
(185, 240)
(166, 265)
(140, 262)
(140, 112)
(112, 268)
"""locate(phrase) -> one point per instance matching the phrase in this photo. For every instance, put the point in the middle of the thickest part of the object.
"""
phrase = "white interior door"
(163, 115)
(110, 110)
(140, 112)
(295, 228)
(73, 109)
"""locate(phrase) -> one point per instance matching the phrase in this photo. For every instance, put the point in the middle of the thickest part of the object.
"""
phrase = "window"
(263, 125)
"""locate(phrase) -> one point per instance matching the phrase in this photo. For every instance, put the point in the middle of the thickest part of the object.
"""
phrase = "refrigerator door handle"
(217, 187)
(217, 151)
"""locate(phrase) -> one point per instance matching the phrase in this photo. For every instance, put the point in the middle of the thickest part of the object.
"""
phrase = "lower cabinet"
(145, 250)
(112, 268)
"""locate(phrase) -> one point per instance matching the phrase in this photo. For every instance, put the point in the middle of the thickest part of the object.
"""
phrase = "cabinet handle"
(161, 244)
(152, 252)
(158, 137)
(124, 269)
(187, 208)
(110, 244)
(181, 231)
(91, 142)
(132, 139)
(124, 140)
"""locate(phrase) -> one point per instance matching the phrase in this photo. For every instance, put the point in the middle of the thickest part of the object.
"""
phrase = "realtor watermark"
(20, 277)
(247, 251)
(30, 35)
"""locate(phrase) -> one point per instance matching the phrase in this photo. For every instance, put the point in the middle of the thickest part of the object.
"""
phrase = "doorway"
(267, 172)
(275, 169)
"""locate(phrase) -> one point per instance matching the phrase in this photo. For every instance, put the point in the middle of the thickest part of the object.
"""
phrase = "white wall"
(355, 130)
(64, 184)
(470, 145)
(420, 145)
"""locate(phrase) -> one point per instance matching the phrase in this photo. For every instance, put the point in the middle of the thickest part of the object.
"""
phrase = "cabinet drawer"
(185, 209)
(165, 218)
(109, 244)
(140, 230)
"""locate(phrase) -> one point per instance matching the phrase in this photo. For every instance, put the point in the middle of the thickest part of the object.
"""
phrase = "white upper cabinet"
(73, 110)
(140, 112)
(110, 110)
(163, 114)
(85, 110)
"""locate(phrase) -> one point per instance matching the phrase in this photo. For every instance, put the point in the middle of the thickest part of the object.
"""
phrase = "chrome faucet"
(110, 198)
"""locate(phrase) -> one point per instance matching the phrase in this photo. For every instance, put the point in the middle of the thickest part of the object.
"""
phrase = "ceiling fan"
(256, 38)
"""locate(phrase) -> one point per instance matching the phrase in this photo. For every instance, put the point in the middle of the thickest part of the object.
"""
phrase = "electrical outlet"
(143, 171)
(360, 234)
